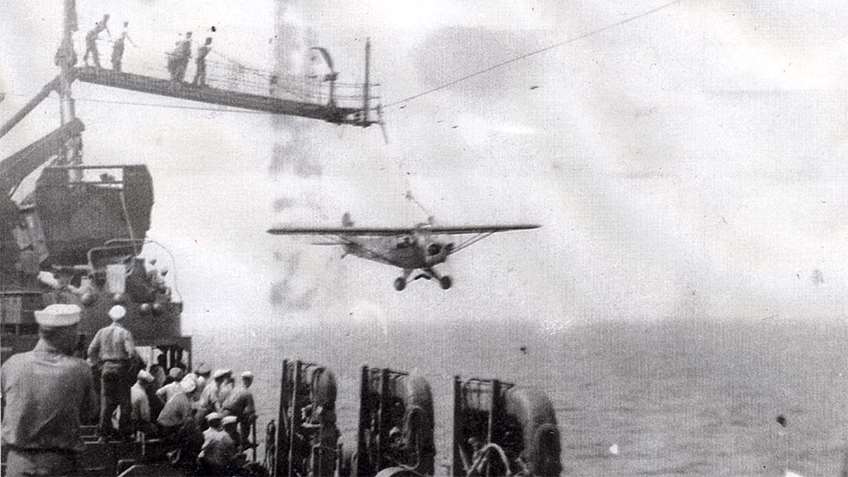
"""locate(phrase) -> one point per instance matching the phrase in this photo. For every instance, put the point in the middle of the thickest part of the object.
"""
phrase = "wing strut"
(471, 241)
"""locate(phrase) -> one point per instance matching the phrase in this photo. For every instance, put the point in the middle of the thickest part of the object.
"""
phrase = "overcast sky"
(689, 164)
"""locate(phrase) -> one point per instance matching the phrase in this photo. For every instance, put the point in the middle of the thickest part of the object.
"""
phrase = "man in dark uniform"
(46, 394)
(91, 41)
(114, 349)
(200, 61)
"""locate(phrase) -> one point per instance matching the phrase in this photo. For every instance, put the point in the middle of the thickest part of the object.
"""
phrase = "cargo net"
(226, 73)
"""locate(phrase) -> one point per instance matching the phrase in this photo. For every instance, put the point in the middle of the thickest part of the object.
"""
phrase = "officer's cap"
(58, 315)
(229, 420)
(117, 312)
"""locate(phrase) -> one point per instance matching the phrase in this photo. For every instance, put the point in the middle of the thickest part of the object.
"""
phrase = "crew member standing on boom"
(113, 348)
(46, 394)
(200, 61)
(91, 41)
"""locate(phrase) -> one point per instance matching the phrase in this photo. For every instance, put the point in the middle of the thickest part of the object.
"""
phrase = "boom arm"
(16, 167)
(35, 101)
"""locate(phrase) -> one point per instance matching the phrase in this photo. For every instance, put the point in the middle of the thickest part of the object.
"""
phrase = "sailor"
(46, 394)
(175, 375)
(230, 424)
(113, 349)
(63, 291)
(203, 374)
(240, 404)
(177, 426)
(211, 400)
(200, 61)
(158, 375)
(91, 40)
(182, 55)
(238, 460)
(167, 391)
(177, 411)
(118, 48)
(141, 417)
(218, 450)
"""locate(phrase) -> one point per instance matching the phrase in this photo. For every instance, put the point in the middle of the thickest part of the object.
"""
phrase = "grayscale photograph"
(447, 238)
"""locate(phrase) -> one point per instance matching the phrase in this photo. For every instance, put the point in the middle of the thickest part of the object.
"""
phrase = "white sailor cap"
(221, 372)
(212, 416)
(229, 420)
(58, 315)
(117, 312)
(145, 376)
(188, 384)
(247, 374)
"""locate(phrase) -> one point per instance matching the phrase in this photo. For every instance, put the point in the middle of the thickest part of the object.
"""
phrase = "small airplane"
(410, 249)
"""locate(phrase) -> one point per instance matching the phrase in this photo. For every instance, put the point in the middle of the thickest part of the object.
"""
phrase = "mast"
(65, 59)
(366, 93)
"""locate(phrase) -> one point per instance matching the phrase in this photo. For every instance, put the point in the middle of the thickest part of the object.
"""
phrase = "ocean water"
(676, 397)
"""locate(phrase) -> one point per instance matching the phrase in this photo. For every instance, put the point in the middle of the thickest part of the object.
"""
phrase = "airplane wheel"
(400, 284)
(445, 282)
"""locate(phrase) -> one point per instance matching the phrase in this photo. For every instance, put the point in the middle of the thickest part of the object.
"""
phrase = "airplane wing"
(394, 231)
(478, 229)
(341, 231)
(477, 232)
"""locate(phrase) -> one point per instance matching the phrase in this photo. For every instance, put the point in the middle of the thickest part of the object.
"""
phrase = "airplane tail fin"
(346, 220)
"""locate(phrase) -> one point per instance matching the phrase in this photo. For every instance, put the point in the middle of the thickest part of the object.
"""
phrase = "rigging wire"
(532, 53)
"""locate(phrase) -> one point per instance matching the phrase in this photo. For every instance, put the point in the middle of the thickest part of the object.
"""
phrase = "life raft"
(418, 420)
(395, 424)
(535, 414)
(505, 429)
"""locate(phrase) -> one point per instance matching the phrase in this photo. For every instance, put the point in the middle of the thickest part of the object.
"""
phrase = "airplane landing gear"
(400, 282)
(445, 282)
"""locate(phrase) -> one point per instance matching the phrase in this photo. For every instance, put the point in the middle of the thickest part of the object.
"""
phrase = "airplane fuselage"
(404, 252)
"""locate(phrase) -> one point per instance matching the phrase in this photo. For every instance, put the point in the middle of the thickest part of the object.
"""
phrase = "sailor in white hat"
(141, 402)
(112, 348)
(219, 449)
(46, 390)
(240, 403)
(178, 412)
(215, 393)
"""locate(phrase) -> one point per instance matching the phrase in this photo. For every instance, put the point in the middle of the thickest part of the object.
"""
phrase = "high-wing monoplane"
(410, 249)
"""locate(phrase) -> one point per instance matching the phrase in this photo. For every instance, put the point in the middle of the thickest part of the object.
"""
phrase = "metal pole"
(494, 412)
(365, 413)
(66, 59)
(383, 432)
(366, 91)
(295, 420)
(35, 101)
(281, 422)
(253, 431)
(458, 426)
